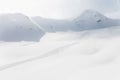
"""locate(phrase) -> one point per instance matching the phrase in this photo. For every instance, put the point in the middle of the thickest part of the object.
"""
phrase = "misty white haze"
(59, 9)
(59, 39)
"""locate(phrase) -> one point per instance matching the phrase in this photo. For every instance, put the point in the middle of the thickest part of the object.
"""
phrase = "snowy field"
(87, 55)
(90, 51)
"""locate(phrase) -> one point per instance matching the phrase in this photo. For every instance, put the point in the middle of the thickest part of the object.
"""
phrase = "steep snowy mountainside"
(94, 20)
(88, 20)
(18, 27)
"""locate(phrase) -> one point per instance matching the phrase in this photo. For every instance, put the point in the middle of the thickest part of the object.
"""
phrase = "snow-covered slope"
(80, 52)
(88, 20)
(18, 27)
(94, 20)
(51, 25)
(86, 55)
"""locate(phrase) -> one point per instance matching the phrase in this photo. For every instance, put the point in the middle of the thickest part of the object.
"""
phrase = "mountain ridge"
(88, 20)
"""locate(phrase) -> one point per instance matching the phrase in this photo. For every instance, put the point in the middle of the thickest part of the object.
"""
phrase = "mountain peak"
(13, 16)
(91, 14)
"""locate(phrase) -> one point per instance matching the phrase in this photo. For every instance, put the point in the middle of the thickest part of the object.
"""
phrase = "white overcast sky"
(57, 8)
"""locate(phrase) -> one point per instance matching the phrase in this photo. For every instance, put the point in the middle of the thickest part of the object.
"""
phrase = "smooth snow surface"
(86, 55)
(18, 27)
(85, 48)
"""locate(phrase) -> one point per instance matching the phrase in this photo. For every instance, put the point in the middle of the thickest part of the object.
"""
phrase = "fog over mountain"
(83, 48)
(18, 27)
(58, 9)
(88, 20)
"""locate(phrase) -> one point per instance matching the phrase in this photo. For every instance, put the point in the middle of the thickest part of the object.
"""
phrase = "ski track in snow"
(50, 53)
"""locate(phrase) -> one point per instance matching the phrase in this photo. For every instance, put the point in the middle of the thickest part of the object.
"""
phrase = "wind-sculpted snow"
(87, 21)
(86, 55)
(45, 55)
(18, 27)
(85, 48)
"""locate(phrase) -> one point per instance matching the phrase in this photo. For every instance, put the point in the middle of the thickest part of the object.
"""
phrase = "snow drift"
(86, 55)
(88, 20)
(18, 27)
(88, 48)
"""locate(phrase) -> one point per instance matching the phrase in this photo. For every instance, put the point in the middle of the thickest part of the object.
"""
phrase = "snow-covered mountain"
(88, 20)
(88, 51)
(51, 25)
(86, 55)
(94, 20)
(18, 27)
